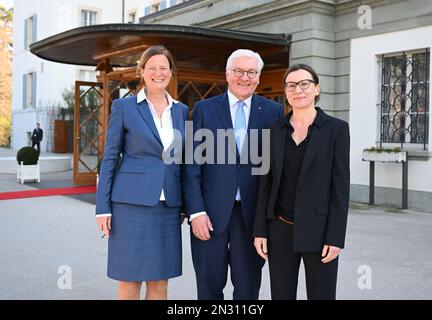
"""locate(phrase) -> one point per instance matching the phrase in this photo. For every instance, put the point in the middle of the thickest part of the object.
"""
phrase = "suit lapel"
(254, 118)
(255, 114)
(177, 123)
(278, 145)
(318, 135)
(223, 112)
(144, 111)
(178, 126)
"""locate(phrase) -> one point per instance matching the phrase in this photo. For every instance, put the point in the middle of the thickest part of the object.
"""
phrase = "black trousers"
(284, 266)
(37, 144)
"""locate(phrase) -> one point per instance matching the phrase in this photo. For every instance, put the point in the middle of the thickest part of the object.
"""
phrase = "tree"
(5, 74)
(5, 14)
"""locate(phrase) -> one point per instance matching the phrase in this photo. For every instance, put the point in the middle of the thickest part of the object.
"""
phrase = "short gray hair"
(244, 53)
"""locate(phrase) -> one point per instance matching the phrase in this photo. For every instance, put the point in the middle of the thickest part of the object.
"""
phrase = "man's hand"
(104, 224)
(201, 227)
(261, 247)
(329, 253)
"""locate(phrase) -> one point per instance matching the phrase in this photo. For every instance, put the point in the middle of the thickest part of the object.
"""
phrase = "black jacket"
(322, 195)
(37, 135)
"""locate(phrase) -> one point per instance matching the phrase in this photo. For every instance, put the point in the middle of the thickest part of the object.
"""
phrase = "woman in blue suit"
(138, 201)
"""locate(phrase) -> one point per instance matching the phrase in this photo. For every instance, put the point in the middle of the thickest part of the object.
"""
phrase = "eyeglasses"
(303, 84)
(163, 70)
(250, 73)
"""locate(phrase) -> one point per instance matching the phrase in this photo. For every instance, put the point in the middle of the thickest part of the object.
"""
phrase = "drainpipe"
(123, 10)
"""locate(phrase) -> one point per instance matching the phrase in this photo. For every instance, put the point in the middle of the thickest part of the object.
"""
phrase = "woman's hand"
(104, 224)
(261, 247)
(329, 253)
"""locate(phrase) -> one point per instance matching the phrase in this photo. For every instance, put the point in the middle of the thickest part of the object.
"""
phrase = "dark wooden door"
(61, 136)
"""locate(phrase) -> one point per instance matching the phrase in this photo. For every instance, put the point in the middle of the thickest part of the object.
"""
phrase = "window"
(29, 90)
(131, 17)
(405, 99)
(88, 17)
(30, 31)
(87, 75)
(29, 99)
(175, 2)
(154, 8)
(162, 5)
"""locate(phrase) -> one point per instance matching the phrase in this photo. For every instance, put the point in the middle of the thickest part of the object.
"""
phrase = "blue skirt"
(144, 242)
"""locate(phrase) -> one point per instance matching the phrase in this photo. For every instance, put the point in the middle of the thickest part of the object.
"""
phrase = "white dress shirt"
(232, 100)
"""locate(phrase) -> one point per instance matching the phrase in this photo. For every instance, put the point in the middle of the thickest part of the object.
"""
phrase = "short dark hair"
(153, 51)
(302, 66)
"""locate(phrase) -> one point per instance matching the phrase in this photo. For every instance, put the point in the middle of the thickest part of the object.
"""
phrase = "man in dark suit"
(37, 137)
(220, 197)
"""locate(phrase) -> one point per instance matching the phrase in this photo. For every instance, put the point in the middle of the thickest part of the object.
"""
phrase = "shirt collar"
(319, 118)
(141, 96)
(232, 100)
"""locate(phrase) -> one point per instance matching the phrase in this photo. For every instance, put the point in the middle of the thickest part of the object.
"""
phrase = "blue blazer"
(213, 187)
(142, 173)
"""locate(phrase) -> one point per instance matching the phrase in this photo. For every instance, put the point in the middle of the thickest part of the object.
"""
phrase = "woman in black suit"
(302, 203)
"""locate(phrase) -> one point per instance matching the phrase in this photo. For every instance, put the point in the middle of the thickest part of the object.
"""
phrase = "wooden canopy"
(191, 46)
(114, 49)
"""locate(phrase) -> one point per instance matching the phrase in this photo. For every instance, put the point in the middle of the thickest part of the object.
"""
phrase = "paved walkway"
(45, 242)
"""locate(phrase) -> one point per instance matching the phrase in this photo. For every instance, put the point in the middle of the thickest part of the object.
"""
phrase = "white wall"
(53, 17)
(52, 78)
(364, 125)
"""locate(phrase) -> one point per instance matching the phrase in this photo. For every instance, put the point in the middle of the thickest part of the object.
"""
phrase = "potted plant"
(28, 165)
(384, 154)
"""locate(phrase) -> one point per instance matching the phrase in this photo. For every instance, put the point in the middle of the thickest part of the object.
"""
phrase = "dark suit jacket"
(321, 204)
(37, 135)
(213, 187)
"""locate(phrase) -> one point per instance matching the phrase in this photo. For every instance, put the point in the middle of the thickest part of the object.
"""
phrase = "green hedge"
(27, 155)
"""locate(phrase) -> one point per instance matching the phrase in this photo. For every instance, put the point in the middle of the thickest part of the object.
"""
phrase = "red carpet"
(47, 192)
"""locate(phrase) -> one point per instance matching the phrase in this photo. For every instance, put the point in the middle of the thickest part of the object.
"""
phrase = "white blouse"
(164, 125)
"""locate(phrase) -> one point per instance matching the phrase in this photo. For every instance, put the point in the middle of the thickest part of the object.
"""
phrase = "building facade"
(39, 85)
(372, 57)
(373, 60)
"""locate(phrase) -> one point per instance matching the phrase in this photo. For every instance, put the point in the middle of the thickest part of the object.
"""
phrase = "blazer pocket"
(321, 208)
(133, 169)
